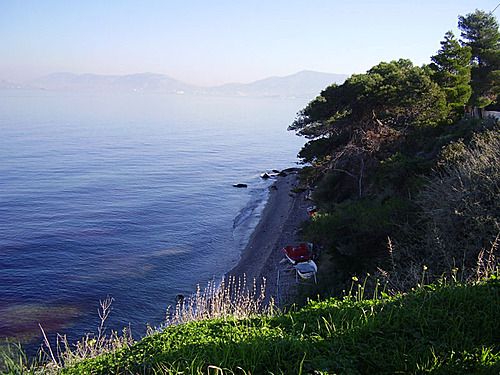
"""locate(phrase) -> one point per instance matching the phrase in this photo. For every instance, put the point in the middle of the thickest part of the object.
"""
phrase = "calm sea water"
(129, 196)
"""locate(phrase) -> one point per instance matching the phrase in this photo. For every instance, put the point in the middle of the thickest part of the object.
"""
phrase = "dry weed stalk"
(487, 263)
(460, 202)
(231, 297)
(89, 346)
(403, 277)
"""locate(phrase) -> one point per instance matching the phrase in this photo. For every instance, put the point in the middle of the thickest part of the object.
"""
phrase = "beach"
(279, 225)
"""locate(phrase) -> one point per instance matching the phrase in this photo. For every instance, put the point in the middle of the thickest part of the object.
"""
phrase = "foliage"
(480, 32)
(461, 201)
(14, 361)
(332, 189)
(396, 93)
(315, 150)
(452, 72)
(444, 328)
(400, 173)
(355, 125)
(357, 228)
(376, 140)
(402, 183)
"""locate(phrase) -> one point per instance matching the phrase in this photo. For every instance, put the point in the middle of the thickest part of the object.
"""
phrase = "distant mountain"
(305, 84)
(149, 82)
(302, 84)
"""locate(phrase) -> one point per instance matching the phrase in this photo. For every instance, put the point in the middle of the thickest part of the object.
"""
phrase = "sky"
(213, 42)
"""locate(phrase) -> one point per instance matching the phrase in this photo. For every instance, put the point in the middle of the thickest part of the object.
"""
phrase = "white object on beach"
(306, 270)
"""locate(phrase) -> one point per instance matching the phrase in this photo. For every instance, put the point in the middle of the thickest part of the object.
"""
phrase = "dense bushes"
(439, 210)
(358, 227)
(461, 201)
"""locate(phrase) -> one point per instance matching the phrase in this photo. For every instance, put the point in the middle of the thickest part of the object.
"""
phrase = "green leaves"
(397, 94)
(452, 71)
(480, 33)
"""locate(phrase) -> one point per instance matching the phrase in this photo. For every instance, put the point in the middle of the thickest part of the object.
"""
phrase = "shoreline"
(279, 223)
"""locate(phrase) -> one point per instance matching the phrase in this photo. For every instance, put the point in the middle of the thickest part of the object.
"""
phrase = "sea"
(129, 196)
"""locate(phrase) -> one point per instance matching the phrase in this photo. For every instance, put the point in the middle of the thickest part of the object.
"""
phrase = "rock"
(265, 176)
(282, 174)
(291, 170)
(276, 171)
(240, 185)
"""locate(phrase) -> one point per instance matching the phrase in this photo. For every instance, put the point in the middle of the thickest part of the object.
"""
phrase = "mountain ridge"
(305, 83)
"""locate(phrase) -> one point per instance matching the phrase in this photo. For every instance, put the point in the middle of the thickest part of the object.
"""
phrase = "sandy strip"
(278, 227)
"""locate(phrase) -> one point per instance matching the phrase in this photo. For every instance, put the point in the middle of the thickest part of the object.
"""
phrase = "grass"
(448, 328)
(232, 297)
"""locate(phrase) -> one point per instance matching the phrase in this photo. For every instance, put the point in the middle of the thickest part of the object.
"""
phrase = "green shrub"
(440, 328)
(357, 227)
(401, 174)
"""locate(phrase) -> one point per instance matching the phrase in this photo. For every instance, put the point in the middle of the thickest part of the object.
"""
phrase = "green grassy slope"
(441, 328)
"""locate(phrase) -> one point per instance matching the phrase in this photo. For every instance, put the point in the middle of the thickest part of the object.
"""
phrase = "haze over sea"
(127, 195)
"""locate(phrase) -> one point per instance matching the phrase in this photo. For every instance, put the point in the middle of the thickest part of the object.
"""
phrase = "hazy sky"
(210, 42)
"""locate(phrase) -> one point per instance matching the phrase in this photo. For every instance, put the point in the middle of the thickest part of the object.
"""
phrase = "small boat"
(306, 270)
(301, 253)
(312, 210)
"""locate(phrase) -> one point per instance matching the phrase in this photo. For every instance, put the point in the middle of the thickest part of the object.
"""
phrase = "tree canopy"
(480, 32)
(390, 98)
(452, 72)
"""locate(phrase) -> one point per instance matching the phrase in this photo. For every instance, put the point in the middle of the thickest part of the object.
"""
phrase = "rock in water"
(265, 176)
(240, 185)
(291, 170)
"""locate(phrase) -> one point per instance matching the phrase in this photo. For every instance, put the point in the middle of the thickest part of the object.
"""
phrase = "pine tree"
(480, 33)
(452, 72)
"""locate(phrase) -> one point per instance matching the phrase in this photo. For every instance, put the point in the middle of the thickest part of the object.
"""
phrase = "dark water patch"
(20, 322)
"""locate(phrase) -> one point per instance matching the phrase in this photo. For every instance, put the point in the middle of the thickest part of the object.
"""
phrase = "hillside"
(448, 329)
